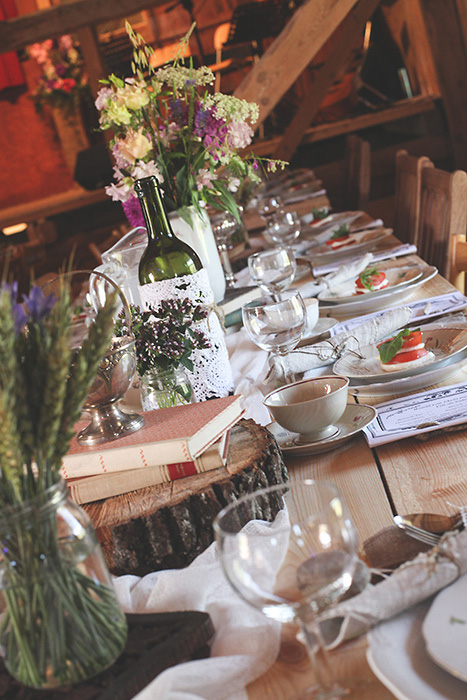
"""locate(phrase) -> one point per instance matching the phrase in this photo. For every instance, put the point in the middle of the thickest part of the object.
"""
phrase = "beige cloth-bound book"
(94, 488)
(169, 436)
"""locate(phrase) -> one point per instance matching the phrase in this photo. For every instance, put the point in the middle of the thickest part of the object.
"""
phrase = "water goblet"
(275, 326)
(267, 206)
(290, 551)
(223, 226)
(273, 270)
(283, 228)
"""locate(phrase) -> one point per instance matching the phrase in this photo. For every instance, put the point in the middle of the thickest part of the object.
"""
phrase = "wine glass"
(273, 270)
(223, 226)
(290, 550)
(276, 326)
(283, 228)
(267, 206)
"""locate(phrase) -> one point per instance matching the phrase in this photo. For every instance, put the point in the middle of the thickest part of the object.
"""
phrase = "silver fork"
(416, 532)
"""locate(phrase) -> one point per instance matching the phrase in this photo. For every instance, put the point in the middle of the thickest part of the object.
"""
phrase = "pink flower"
(239, 135)
(204, 179)
(134, 146)
(65, 42)
(102, 97)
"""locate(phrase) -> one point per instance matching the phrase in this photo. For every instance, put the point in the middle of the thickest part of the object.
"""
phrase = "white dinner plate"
(355, 418)
(397, 656)
(368, 303)
(445, 629)
(330, 223)
(414, 383)
(396, 276)
(364, 241)
(446, 344)
(322, 328)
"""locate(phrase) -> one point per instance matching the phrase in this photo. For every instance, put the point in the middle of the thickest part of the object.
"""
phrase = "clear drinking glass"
(290, 550)
(273, 270)
(283, 228)
(267, 206)
(224, 226)
(276, 326)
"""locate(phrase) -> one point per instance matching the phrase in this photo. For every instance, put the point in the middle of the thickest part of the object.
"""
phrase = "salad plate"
(445, 629)
(354, 419)
(330, 223)
(397, 656)
(413, 383)
(362, 241)
(446, 344)
(367, 303)
(396, 276)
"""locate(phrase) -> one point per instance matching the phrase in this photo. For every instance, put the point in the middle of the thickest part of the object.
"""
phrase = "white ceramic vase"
(201, 238)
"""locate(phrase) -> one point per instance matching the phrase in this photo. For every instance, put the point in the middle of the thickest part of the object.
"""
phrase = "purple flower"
(60, 69)
(133, 212)
(38, 305)
(17, 311)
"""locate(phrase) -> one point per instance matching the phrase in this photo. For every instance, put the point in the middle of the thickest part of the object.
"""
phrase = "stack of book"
(174, 443)
(233, 301)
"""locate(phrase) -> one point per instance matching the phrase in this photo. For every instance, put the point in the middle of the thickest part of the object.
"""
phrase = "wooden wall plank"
(289, 54)
(350, 40)
(62, 19)
(448, 43)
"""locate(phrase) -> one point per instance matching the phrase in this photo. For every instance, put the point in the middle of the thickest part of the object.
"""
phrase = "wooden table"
(401, 477)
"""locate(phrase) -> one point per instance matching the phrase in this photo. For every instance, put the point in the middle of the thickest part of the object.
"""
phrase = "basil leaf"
(391, 347)
(365, 277)
(319, 213)
(343, 230)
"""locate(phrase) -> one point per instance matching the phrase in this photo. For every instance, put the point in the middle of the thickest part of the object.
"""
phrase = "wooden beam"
(448, 43)
(350, 40)
(289, 54)
(22, 31)
(96, 68)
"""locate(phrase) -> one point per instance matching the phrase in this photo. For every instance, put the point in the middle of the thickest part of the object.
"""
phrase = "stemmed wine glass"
(273, 270)
(290, 550)
(282, 228)
(267, 206)
(276, 326)
(223, 226)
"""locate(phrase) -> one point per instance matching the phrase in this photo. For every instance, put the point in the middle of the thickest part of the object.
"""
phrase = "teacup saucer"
(355, 418)
(319, 332)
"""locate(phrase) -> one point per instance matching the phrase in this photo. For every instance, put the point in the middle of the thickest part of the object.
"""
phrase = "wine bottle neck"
(155, 218)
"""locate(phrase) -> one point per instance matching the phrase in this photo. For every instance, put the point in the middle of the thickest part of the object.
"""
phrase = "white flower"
(133, 95)
(134, 146)
(146, 170)
(204, 179)
(239, 135)
(233, 183)
(103, 97)
(181, 77)
(119, 193)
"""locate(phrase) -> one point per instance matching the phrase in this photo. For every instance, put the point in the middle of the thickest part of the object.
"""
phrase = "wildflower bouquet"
(168, 124)
(59, 623)
(63, 81)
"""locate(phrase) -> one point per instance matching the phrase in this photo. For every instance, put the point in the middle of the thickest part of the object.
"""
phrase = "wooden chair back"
(407, 197)
(357, 173)
(443, 218)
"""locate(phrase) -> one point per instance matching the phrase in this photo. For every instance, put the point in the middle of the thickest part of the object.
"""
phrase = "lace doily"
(212, 374)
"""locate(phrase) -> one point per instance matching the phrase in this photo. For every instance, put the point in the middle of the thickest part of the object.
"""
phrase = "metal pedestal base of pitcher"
(109, 423)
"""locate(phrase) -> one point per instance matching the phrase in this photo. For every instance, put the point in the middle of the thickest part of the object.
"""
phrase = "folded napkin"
(344, 273)
(396, 252)
(246, 642)
(411, 583)
(309, 357)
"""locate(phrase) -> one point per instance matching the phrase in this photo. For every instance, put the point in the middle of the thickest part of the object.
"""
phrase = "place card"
(421, 310)
(417, 414)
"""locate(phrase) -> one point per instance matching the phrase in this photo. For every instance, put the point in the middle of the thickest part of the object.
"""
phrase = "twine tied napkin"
(411, 583)
(309, 357)
(349, 271)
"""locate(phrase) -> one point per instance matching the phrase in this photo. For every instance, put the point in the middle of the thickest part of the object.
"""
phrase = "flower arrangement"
(165, 337)
(168, 124)
(59, 625)
(63, 80)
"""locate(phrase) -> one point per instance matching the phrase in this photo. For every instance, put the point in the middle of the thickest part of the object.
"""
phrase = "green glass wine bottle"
(166, 256)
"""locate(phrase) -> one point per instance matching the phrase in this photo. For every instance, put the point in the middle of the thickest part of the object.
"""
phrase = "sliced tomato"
(374, 280)
(415, 338)
(408, 356)
(337, 240)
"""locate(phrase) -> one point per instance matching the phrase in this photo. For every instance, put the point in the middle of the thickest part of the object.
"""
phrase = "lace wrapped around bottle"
(212, 374)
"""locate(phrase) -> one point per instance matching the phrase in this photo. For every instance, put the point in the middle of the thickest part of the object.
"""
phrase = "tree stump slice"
(168, 525)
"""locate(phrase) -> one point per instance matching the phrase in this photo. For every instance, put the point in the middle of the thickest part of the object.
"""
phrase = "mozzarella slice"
(398, 366)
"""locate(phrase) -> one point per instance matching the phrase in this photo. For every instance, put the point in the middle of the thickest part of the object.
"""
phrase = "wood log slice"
(166, 526)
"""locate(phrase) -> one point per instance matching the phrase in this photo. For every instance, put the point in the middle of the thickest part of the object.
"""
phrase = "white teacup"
(309, 407)
(312, 314)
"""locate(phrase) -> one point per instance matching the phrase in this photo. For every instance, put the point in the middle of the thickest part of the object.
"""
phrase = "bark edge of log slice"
(168, 525)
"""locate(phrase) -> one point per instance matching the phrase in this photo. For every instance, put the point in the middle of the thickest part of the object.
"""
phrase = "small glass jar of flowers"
(63, 82)
(168, 123)
(166, 338)
(60, 619)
